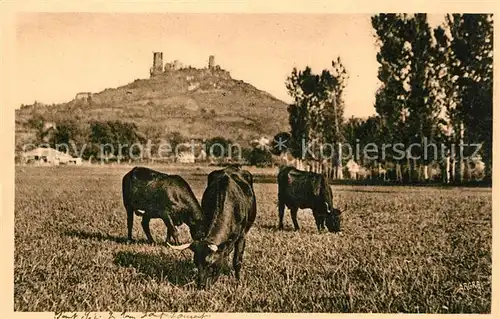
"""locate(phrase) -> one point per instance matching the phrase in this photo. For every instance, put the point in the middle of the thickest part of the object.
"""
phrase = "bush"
(259, 157)
(218, 147)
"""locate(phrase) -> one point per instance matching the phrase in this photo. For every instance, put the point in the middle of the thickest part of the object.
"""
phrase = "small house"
(185, 157)
(83, 96)
(50, 156)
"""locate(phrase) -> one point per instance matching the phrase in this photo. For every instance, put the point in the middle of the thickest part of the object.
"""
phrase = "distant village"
(47, 156)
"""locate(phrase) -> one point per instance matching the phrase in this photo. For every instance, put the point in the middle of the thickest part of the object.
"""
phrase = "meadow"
(402, 249)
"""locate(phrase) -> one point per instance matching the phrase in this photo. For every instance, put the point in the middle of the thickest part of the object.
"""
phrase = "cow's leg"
(281, 210)
(145, 226)
(130, 223)
(316, 219)
(320, 221)
(238, 256)
(293, 212)
(172, 231)
(216, 270)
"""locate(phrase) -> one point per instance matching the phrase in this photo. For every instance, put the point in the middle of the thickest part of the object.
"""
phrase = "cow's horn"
(179, 247)
(213, 247)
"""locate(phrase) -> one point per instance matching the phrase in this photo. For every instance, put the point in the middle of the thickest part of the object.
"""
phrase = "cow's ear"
(247, 176)
(210, 177)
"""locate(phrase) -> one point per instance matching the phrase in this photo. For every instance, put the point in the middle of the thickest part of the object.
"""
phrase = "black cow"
(230, 208)
(153, 194)
(300, 189)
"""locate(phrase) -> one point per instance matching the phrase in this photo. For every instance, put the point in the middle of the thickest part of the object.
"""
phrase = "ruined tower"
(211, 62)
(157, 67)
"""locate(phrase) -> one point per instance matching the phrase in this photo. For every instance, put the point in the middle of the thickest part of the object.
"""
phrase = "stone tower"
(211, 62)
(157, 63)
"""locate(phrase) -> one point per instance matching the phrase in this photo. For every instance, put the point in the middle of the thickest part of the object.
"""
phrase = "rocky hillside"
(198, 103)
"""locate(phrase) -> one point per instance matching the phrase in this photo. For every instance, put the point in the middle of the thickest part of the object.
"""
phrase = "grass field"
(403, 249)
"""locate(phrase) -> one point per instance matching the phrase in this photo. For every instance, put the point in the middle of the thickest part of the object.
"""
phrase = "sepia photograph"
(218, 162)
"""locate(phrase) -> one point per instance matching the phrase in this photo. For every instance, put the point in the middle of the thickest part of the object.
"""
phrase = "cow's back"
(246, 198)
(144, 188)
(141, 175)
(229, 205)
(299, 188)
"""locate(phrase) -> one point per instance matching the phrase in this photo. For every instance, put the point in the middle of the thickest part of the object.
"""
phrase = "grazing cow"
(300, 189)
(152, 194)
(230, 208)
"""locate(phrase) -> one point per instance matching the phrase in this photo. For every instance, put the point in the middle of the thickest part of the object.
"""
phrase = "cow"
(300, 189)
(152, 194)
(230, 207)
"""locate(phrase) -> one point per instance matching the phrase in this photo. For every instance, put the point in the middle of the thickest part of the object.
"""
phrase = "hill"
(198, 103)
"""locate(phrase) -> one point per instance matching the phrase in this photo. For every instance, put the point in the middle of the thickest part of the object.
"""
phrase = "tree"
(463, 60)
(280, 143)
(471, 65)
(315, 117)
(361, 132)
(259, 157)
(36, 122)
(445, 96)
(299, 88)
(114, 138)
(219, 147)
(334, 84)
(423, 111)
(72, 135)
(351, 130)
(101, 133)
(410, 100)
(175, 138)
(391, 98)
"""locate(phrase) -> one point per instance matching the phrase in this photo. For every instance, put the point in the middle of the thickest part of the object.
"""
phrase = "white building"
(185, 157)
(42, 155)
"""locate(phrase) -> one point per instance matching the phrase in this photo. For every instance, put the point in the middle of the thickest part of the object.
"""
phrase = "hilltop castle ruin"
(182, 79)
(158, 67)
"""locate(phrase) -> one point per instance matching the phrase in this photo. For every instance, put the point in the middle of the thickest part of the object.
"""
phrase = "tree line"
(122, 141)
(435, 89)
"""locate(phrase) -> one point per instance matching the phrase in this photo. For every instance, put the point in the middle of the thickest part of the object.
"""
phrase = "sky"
(61, 54)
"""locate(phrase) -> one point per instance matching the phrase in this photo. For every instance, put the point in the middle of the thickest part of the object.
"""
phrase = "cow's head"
(333, 218)
(207, 258)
